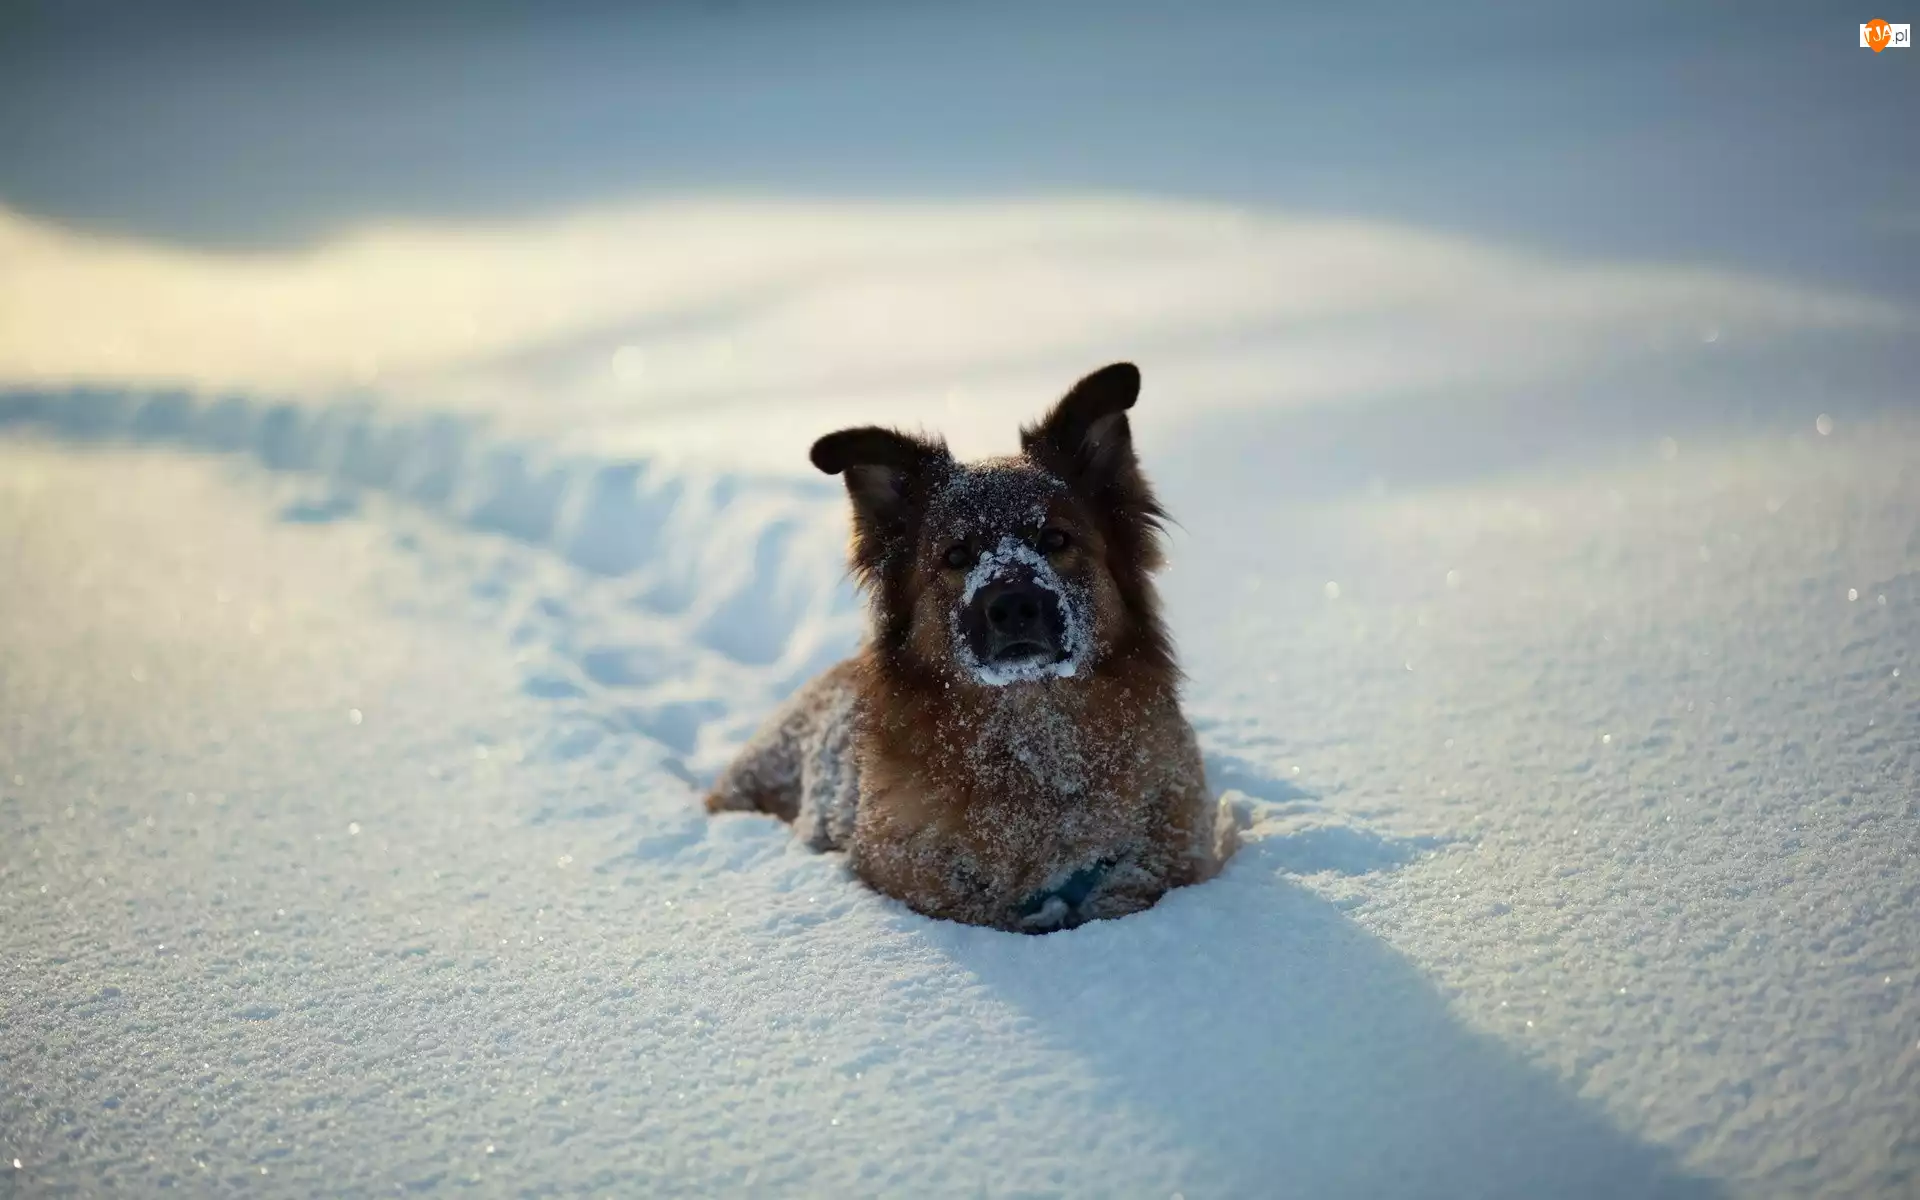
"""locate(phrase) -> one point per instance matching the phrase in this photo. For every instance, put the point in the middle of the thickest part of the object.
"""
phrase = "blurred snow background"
(404, 502)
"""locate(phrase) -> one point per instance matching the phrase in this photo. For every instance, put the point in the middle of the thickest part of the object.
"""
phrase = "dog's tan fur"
(1030, 806)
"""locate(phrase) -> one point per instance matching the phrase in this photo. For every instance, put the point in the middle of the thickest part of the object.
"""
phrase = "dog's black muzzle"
(1014, 621)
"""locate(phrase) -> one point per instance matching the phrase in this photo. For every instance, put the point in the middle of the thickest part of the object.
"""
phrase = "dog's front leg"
(929, 871)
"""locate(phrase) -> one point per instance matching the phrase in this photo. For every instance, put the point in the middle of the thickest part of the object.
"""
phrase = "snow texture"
(1580, 838)
(1550, 633)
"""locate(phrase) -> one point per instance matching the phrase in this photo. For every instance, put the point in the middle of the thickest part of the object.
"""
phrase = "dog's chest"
(1031, 753)
(1024, 781)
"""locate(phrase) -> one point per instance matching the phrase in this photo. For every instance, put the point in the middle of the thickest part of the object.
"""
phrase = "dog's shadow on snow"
(1294, 1053)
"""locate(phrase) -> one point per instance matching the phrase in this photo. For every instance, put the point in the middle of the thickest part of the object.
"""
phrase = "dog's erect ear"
(1086, 436)
(884, 467)
(1086, 441)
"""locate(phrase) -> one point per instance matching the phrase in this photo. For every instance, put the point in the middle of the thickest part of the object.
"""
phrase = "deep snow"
(404, 512)
(1583, 858)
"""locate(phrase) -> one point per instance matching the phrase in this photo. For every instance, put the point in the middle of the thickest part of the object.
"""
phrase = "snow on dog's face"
(1031, 569)
(1008, 593)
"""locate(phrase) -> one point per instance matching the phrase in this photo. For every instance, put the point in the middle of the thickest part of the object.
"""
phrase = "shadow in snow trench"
(1295, 1054)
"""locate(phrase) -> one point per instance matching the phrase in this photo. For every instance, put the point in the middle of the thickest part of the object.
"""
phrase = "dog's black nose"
(1022, 620)
(1012, 607)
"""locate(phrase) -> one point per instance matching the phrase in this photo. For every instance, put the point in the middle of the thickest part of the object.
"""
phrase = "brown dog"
(1007, 748)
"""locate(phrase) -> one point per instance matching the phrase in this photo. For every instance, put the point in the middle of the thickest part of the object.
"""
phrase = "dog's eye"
(1053, 541)
(959, 557)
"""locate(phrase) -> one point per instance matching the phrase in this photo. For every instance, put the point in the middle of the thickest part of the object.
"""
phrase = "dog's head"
(1012, 570)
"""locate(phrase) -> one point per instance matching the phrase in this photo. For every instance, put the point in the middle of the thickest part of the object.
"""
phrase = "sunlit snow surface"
(350, 742)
